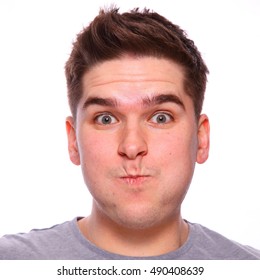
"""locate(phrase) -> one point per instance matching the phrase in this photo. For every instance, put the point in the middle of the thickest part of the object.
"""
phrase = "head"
(136, 87)
(112, 35)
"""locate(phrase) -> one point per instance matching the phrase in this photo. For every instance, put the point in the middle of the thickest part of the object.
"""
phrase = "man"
(136, 86)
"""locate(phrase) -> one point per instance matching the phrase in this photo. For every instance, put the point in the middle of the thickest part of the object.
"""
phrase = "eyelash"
(98, 118)
(169, 116)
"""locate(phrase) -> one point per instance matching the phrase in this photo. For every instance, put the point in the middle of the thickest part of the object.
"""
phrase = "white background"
(39, 186)
(213, 270)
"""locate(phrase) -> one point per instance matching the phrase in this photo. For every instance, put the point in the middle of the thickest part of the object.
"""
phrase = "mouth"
(135, 180)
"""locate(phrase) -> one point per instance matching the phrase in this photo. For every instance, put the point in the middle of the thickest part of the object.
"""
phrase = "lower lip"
(135, 180)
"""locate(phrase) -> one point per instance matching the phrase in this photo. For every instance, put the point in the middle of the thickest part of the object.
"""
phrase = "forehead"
(129, 78)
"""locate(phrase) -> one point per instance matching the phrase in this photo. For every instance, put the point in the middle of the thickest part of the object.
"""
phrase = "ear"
(203, 139)
(72, 141)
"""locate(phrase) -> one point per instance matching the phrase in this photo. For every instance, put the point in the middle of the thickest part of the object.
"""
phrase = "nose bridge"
(133, 140)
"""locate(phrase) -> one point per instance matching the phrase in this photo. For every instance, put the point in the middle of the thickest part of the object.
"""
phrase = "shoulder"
(211, 245)
(36, 244)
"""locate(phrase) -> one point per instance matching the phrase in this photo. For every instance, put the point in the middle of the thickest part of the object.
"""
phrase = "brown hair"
(142, 33)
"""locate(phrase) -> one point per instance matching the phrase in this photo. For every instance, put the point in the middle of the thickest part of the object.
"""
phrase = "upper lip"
(135, 176)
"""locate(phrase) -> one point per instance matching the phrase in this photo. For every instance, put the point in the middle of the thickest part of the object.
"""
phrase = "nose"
(133, 143)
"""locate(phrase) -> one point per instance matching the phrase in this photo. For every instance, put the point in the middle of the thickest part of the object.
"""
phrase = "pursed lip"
(135, 179)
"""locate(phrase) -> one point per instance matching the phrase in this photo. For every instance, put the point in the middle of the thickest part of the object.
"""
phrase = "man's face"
(137, 140)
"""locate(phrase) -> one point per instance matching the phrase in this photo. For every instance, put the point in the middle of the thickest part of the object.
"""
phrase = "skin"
(137, 140)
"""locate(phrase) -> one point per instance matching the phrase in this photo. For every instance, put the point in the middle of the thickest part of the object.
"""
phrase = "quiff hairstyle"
(112, 35)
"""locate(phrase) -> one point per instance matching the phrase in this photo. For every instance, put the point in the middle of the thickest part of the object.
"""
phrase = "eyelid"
(162, 113)
(102, 115)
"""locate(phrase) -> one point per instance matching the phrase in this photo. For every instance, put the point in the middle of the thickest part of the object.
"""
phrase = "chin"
(139, 220)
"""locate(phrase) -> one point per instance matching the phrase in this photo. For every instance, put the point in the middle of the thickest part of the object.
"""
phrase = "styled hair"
(112, 35)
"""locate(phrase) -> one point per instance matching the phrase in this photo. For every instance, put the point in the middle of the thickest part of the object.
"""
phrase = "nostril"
(132, 151)
(133, 142)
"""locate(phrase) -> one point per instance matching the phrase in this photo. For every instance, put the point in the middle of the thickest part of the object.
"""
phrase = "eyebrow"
(108, 102)
(147, 101)
(163, 98)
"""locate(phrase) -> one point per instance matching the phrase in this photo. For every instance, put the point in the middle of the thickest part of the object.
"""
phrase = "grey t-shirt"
(65, 242)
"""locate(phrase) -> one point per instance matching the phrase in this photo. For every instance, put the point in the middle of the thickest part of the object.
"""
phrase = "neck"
(156, 240)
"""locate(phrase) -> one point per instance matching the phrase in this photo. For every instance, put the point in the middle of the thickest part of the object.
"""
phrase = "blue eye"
(105, 119)
(161, 118)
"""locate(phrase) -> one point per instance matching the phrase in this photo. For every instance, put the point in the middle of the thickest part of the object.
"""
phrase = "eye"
(161, 118)
(105, 119)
